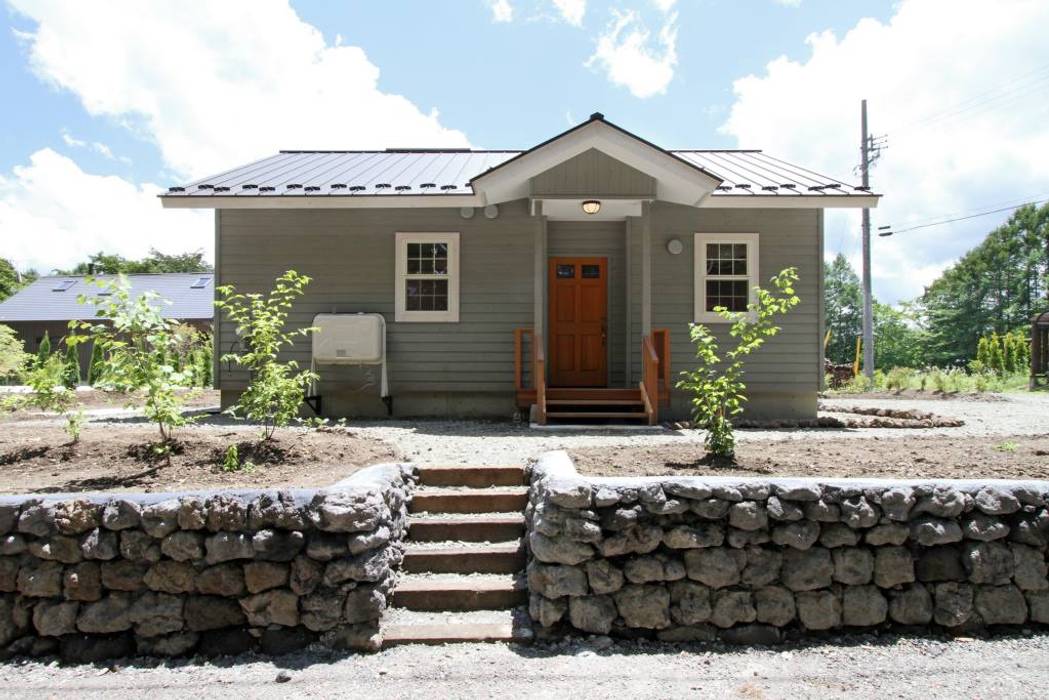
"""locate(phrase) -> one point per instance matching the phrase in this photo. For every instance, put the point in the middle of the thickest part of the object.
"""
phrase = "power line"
(971, 216)
(1012, 202)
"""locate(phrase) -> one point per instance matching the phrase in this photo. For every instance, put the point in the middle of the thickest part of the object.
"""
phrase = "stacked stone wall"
(97, 576)
(762, 560)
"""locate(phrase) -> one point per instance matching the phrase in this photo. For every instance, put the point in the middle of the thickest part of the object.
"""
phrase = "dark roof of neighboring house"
(54, 298)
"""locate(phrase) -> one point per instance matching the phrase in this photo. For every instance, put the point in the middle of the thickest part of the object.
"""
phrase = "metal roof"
(434, 172)
(42, 300)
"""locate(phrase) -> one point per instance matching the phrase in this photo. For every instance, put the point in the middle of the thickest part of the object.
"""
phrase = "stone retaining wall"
(759, 560)
(92, 576)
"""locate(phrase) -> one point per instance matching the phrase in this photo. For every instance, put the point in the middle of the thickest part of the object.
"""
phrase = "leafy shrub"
(96, 366)
(718, 391)
(44, 350)
(899, 379)
(13, 357)
(139, 344)
(276, 388)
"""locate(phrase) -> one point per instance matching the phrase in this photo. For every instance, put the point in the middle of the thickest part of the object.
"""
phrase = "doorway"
(578, 320)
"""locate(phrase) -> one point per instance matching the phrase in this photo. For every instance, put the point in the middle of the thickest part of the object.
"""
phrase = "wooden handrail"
(519, 334)
(539, 377)
(650, 379)
(661, 341)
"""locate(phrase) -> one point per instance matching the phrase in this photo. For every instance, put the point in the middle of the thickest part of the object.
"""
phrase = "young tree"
(717, 387)
(138, 342)
(46, 378)
(275, 391)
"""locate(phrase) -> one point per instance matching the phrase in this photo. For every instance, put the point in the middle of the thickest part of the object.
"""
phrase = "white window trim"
(401, 314)
(699, 277)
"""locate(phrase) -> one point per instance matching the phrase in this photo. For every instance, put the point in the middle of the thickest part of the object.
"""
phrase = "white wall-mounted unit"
(351, 339)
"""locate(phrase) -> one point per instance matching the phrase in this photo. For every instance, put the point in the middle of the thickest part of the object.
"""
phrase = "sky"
(107, 104)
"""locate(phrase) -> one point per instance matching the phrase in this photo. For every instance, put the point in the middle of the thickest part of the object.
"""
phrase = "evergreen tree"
(44, 351)
(95, 367)
(71, 370)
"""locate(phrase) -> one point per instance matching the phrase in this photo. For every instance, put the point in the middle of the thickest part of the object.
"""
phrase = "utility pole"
(868, 309)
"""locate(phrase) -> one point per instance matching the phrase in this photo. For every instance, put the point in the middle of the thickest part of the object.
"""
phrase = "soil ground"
(102, 402)
(907, 457)
(36, 457)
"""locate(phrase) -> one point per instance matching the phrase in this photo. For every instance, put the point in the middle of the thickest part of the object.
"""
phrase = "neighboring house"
(597, 242)
(50, 303)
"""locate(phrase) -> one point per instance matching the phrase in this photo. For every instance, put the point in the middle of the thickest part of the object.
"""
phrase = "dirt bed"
(103, 402)
(39, 458)
(1021, 457)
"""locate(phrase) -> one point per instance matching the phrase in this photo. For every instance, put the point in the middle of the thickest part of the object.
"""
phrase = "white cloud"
(96, 146)
(632, 58)
(54, 215)
(217, 84)
(958, 86)
(572, 11)
(664, 5)
(502, 10)
(788, 3)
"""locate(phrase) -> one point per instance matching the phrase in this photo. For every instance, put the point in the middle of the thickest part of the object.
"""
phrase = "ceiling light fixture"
(591, 206)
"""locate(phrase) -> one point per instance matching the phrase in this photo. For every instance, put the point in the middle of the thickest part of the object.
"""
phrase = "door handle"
(604, 332)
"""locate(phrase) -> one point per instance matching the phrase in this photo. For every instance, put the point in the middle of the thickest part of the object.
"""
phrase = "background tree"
(843, 308)
(111, 264)
(998, 286)
(11, 280)
(898, 340)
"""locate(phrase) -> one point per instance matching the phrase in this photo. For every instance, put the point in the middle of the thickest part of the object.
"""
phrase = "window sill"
(425, 317)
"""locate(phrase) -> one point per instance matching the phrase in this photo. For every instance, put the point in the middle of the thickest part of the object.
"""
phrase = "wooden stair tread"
(459, 550)
(473, 476)
(450, 634)
(461, 583)
(595, 414)
(508, 519)
(594, 402)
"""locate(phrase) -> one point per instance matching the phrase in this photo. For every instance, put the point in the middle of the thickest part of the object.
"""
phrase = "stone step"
(409, 627)
(477, 477)
(493, 528)
(495, 558)
(458, 592)
(505, 499)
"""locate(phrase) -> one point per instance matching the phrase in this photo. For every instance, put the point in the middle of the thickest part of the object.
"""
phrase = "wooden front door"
(578, 319)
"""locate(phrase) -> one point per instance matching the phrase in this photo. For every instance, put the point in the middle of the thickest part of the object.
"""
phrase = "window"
(726, 271)
(63, 286)
(427, 277)
(200, 283)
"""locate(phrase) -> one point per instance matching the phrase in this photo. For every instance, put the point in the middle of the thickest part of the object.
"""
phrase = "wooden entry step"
(506, 499)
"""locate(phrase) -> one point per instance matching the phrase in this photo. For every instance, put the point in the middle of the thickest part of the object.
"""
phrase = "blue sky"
(116, 100)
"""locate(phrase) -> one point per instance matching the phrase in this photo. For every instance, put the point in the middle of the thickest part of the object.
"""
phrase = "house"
(564, 276)
(48, 304)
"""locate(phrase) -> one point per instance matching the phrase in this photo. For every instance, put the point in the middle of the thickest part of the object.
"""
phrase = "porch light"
(591, 206)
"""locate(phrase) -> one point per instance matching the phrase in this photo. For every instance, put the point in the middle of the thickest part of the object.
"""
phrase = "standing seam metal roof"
(397, 172)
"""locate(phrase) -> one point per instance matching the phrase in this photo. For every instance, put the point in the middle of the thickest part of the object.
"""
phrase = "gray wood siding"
(783, 376)
(350, 256)
(599, 239)
(593, 174)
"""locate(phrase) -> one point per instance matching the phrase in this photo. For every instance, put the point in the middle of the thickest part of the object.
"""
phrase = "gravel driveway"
(861, 667)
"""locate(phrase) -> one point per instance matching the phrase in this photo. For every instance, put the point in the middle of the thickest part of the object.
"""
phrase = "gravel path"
(866, 667)
(479, 442)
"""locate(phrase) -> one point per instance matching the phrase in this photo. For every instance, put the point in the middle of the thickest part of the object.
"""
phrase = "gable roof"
(41, 300)
(465, 177)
